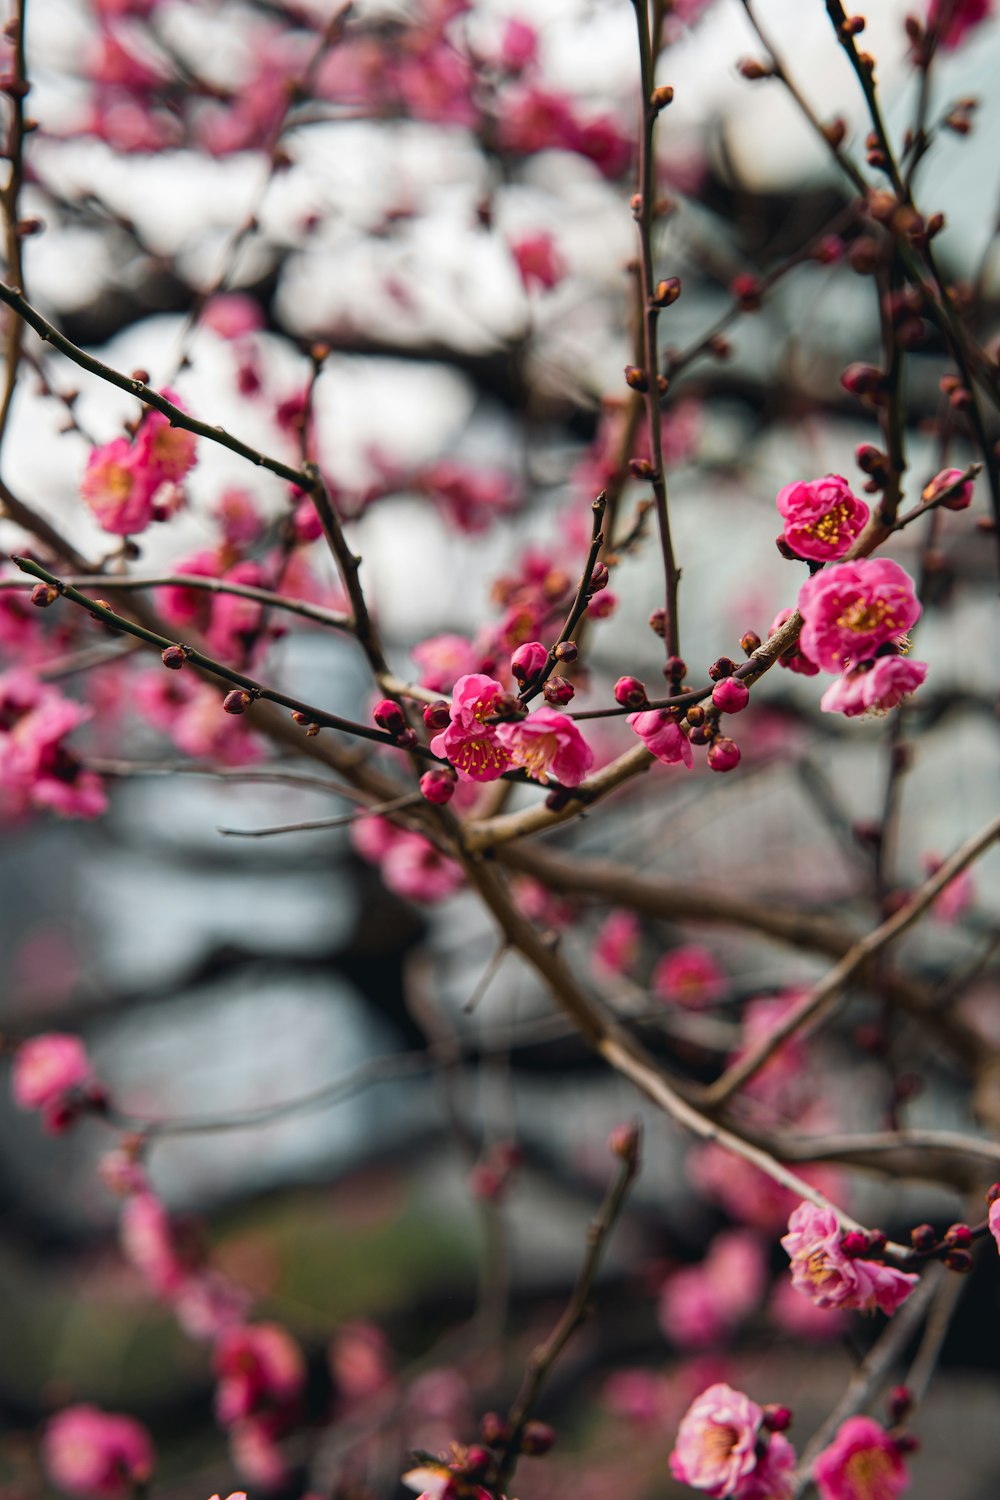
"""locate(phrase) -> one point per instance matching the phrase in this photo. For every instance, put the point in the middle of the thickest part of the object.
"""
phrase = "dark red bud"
(746, 289)
(777, 1418)
(658, 622)
(44, 594)
(493, 1429)
(537, 1438)
(959, 1236)
(695, 714)
(630, 692)
(389, 716)
(558, 691)
(566, 651)
(661, 97)
(623, 1141)
(667, 292)
(599, 578)
(724, 667)
(854, 1244)
(636, 378)
(959, 1260)
(174, 657)
(754, 70)
(437, 715)
(900, 1404)
(236, 702)
(923, 1237)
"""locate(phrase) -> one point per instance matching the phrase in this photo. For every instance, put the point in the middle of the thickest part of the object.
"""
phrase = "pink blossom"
(700, 1305)
(635, 1396)
(547, 745)
(853, 608)
(37, 768)
(168, 452)
(794, 658)
(471, 498)
(801, 1318)
(147, 1241)
(528, 660)
(442, 659)
(960, 500)
(518, 45)
(208, 1302)
(538, 261)
(993, 1220)
(118, 486)
(186, 606)
(257, 1365)
(873, 686)
(731, 695)
(862, 1463)
(232, 315)
(534, 119)
(716, 1443)
(472, 746)
(689, 976)
(50, 1072)
(256, 1454)
(96, 1454)
(360, 1361)
(954, 19)
(957, 896)
(823, 1271)
(237, 514)
(662, 736)
(822, 517)
(616, 946)
(774, 1476)
(413, 868)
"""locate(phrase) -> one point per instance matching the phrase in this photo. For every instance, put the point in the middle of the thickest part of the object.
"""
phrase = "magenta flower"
(873, 686)
(257, 1364)
(853, 608)
(825, 1272)
(118, 486)
(862, 1463)
(167, 452)
(960, 500)
(616, 946)
(731, 695)
(98, 1455)
(700, 1305)
(822, 517)
(547, 745)
(993, 1219)
(662, 736)
(471, 745)
(794, 658)
(538, 261)
(773, 1478)
(689, 976)
(953, 19)
(716, 1443)
(49, 1073)
(37, 769)
(147, 1241)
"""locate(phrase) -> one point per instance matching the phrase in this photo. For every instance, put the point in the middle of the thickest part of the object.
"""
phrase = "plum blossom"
(993, 1220)
(471, 745)
(699, 1305)
(852, 609)
(96, 1454)
(689, 976)
(147, 1240)
(862, 1463)
(257, 1364)
(36, 768)
(443, 659)
(662, 736)
(538, 261)
(716, 1443)
(547, 745)
(51, 1073)
(794, 658)
(410, 864)
(824, 1271)
(958, 895)
(954, 19)
(118, 486)
(616, 946)
(822, 517)
(873, 686)
(773, 1478)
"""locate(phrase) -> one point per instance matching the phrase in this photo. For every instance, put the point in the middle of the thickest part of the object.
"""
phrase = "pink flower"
(993, 1219)
(232, 315)
(518, 45)
(253, 1444)
(528, 660)
(99, 1455)
(442, 659)
(960, 500)
(862, 1463)
(147, 1241)
(873, 686)
(794, 658)
(257, 1365)
(853, 608)
(547, 744)
(822, 517)
(538, 261)
(50, 1071)
(662, 736)
(700, 1305)
(36, 767)
(167, 452)
(118, 486)
(360, 1361)
(471, 745)
(773, 1478)
(953, 19)
(731, 695)
(823, 1271)
(616, 946)
(413, 868)
(716, 1443)
(801, 1318)
(689, 976)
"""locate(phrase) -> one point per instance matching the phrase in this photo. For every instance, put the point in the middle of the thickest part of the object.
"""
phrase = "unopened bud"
(44, 594)
(777, 1418)
(641, 468)
(835, 131)
(528, 660)
(723, 667)
(749, 642)
(174, 657)
(959, 1236)
(753, 70)
(437, 715)
(558, 691)
(922, 1237)
(724, 754)
(566, 651)
(493, 1429)
(866, 381)
(900, 1404)
(407, 739)
(237, 702)
(389, 716)
(438, 786)
(667, 292)
(959, 1260)
(630, 692)
(537, 1438)
(636, 378)
(854, 1244)
(623, 1141)
(661, 97)
(599, 578)
(674, 668)
(746, 289)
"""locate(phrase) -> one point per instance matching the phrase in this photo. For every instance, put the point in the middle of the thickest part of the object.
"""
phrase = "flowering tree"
(182, 510)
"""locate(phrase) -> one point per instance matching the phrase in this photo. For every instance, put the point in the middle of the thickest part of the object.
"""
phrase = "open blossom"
(873, 686)
(862, 1463)
(822, 517)
(774, 1476)
(96, 1454)
(37, 769)
(471, 745)
(853, 608)
(147, 1241)
(118, 486)
(50, 1071)
(825, 1272)
(699, 1305)
(258, 1364)
(538, 261)
(955, 18)
(662, 736)
(168, 452)
(616, 946)
(716, 1443)
(993, 1220)
(548, 745)
(689, 976)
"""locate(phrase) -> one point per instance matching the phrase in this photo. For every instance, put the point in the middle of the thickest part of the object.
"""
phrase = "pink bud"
(731, 695)
(724, 755)
(528, 660)
(437, 786)
(389, 716)
(437, 715)
(630, 692)
(236, 702)
(558, 691)
(960, 500)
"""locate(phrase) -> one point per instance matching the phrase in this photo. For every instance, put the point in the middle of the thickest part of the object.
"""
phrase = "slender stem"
(578, 608)
(341, 820)
(820, 998)
(15, 92)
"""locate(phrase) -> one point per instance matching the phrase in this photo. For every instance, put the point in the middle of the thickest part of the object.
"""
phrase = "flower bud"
(675, 668)
(959, 1236)
(960, 500)
(636, 378)
(993, 1193)
(753, 70)
(749, 642)
(558, 691)
(700, 734)
(437, 715)
(527, 661)
(174, 657)
(667, 292)
(922, 1237)
(900, 1404)
(731, 695)
(661, 97)
(658, 622)
(865, 381)
(959, 1260)
(237, 702)
(777, 1418)
(746, 290)
(389, 716)
(493, 1429)
(438, 786)
(599, 578)
(630, 692)
(566, 651)
(44, 594)
(723, 667)
(641, 468)
(724, 755)
(478, 1461)
(623, 1141)
(695, 714)
(537, 1438)
(407, 739)
(854, 1244)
